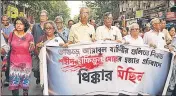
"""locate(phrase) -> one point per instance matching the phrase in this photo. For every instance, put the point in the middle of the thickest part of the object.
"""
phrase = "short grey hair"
(44, 11)
(153, 21)
(84, 8)
(58, 18)
(133, 25)
(52, 23)
(107, 14)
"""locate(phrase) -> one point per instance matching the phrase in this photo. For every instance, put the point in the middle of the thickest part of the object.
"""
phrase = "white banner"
(107, 69)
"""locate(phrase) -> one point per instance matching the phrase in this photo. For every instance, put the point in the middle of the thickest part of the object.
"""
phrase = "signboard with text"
(107, 69)
(139, 14)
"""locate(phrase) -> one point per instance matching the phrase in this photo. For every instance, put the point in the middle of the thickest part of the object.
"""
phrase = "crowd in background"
(25, 40)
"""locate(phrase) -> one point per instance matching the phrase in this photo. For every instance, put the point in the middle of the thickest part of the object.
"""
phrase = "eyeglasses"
(84, 12)
(108, 18)
(5, 20)
(49, 28)
(19, 24)
(58, 22)
(43, 15)
(157, 23)
(135, 29)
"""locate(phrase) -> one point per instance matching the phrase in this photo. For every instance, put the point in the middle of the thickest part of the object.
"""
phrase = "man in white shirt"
(155, 38)
(107, 31)
(133, 38)
(81, 31)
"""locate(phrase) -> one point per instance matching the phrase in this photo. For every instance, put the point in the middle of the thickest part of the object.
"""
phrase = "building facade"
(143, 11)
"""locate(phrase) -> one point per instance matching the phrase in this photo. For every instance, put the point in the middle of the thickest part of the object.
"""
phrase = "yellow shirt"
(81, 33)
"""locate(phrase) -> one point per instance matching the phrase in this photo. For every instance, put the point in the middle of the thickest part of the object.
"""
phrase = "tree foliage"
(54, 8)
(99, 7)
(75, 18)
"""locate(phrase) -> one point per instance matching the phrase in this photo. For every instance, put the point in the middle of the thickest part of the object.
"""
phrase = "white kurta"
(152, 37)
(102, 32)
(132, 41)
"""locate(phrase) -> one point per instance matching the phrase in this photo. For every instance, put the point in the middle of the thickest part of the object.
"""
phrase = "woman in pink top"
(21, 44)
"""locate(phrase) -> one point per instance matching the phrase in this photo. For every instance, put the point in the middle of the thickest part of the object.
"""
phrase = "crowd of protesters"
(25, 40)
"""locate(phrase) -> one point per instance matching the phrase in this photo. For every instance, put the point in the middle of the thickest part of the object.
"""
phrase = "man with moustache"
(37, 31)
(81, 31)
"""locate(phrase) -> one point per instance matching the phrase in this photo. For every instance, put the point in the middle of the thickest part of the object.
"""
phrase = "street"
(34, 89)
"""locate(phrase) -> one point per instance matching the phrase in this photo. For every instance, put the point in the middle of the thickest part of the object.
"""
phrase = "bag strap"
(58, 35)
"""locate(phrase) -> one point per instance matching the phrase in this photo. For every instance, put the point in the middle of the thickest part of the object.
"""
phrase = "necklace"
(20, 35)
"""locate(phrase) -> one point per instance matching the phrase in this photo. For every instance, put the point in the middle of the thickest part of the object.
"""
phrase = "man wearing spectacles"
(133, 38)
(107, 31)
(37, 31)
(62, 31)
(82, 31)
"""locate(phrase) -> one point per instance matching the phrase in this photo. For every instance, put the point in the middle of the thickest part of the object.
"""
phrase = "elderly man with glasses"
(134, 38)
(107, 31)
(62, 31)
(81, 32)
(37, 31)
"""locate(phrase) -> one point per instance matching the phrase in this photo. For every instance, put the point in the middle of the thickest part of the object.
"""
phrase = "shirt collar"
(63, 31)
(157, 33)
(134, 38)
(80, 24)
(108, 28)
(7, 26)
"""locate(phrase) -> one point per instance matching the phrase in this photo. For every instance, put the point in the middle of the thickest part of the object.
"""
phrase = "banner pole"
(169, 75)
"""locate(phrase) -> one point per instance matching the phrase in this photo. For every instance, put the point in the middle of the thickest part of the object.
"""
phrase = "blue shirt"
(37, 32)
(8, 29)
(64, 34)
